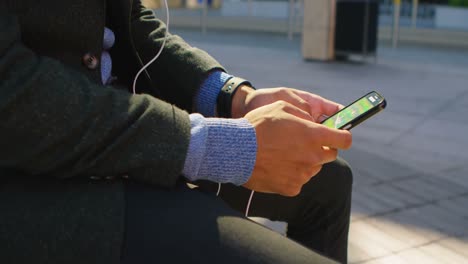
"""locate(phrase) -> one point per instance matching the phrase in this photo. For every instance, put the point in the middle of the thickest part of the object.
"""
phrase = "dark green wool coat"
(60, 126)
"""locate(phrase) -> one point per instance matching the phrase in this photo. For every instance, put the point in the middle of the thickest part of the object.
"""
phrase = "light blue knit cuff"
(221, 150)
(205, 100)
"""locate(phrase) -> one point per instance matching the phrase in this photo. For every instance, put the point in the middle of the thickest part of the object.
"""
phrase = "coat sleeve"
(180, 69)
(57, 122)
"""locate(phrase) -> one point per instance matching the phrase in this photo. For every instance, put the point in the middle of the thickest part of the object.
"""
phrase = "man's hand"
(292, 148)
(246, 99)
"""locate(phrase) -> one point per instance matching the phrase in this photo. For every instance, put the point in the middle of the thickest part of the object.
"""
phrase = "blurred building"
(422, 22)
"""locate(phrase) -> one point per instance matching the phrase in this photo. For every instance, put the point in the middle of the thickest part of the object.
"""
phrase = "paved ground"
(410, 162)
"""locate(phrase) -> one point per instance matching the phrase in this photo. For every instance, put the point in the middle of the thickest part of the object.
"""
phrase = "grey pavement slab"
(376, 164)
(457, 205)
(428, 191)
(364, 204)
(384, 241)
(456, 111)
(433, 217)
(363, 177)
(416, 255)
(397, 198)
(442, 254)
(457, 244)
(412, 235)
(357, 253)
(367, 243)
(392, 259)
(457, 175)
(410, 155)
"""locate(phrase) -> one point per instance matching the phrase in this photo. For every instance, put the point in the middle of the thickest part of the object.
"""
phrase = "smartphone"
(355, 113)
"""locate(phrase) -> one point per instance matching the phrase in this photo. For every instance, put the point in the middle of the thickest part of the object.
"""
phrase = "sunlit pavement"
(410, 162)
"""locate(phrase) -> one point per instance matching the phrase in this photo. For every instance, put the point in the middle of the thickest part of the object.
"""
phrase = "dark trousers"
(195, 226)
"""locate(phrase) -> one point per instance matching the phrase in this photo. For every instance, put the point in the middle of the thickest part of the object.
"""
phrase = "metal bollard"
(396, 22)
(204, 16)
(414, 15)
(291, 17)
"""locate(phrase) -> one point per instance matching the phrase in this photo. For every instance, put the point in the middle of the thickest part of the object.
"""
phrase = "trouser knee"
(333, 183)
(343, 173)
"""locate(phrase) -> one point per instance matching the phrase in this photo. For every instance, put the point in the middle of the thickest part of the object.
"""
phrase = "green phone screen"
(349, 113)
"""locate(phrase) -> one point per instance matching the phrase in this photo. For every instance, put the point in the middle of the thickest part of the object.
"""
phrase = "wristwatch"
(224, 101)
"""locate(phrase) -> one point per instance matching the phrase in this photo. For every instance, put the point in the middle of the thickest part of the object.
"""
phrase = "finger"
(322, 118)
(329, 155)
(300, 102)
(289, 95)
(293, 110)
(329, 108)
(318, 104)
(318, 156)
(333, 138)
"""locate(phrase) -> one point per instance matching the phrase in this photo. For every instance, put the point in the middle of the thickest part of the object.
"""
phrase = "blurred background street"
(410, 162)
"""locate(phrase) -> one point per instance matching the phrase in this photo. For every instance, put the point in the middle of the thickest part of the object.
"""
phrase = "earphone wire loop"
(159, 52)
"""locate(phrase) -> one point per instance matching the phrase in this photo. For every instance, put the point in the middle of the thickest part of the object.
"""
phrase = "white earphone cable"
(159, 52)
(248, 204)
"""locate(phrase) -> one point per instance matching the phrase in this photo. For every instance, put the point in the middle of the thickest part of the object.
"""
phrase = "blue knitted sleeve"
(220, 150)
(205, 100)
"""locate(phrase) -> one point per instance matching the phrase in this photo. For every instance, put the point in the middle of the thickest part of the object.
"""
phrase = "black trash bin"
(356, 27)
